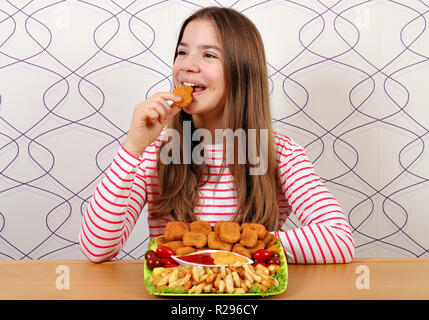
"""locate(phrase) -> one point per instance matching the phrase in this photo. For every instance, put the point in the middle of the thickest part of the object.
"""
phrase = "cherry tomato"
(165, 252)
(168, 261)
(154, 262)
(170, 265)
(261, 255)
(275, 254)
(259, 262)
(150, 254)
(274, 261)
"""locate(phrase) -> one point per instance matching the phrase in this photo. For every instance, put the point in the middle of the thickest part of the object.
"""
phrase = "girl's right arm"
(114, 208)
(120, 197)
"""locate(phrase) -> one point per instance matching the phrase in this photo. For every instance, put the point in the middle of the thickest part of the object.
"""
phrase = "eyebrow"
(203, 46)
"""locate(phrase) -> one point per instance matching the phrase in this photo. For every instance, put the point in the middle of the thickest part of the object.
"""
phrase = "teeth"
(190, 84)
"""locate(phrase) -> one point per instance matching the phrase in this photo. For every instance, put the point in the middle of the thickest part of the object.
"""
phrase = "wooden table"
(365, 279)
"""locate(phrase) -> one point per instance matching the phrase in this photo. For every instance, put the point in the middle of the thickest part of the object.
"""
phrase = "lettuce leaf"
(177, 290)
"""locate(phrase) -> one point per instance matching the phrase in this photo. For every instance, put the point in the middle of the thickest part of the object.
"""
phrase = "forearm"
(318, 244)
(325, 235)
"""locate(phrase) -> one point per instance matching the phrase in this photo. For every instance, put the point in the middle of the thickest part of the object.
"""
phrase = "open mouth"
(197, 87)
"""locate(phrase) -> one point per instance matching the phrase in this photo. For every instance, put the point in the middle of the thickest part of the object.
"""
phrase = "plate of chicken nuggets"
(258, 278)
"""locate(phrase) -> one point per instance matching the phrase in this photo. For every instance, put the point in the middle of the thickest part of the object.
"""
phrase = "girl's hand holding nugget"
(148, 120)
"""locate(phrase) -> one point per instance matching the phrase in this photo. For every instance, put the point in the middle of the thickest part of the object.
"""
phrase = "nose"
(189, 63)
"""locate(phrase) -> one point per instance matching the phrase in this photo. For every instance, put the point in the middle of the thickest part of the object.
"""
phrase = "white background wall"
(348, 80)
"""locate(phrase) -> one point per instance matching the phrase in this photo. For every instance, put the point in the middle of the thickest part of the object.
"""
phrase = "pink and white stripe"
(131, 183)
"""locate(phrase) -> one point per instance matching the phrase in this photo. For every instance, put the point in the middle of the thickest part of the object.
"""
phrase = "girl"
(220, 52)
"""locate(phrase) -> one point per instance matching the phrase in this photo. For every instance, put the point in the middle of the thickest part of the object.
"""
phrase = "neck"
(208, 122)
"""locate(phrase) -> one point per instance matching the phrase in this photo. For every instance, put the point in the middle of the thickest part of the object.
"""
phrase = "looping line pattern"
(377, 106)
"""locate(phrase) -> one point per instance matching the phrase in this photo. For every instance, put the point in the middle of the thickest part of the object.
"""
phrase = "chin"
(189, 110)
(192, 108)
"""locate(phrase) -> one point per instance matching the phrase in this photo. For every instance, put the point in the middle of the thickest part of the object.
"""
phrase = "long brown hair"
(247, 106)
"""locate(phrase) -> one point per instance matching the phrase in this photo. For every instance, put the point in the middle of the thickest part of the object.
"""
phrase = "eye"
(209, 55)
(181, 52)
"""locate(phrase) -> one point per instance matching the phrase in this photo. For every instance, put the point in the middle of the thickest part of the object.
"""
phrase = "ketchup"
(201, 258)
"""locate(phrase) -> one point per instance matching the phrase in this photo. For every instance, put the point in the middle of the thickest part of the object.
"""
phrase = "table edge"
(141, 261)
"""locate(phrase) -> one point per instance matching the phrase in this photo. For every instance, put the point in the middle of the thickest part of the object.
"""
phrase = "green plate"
(281, 276)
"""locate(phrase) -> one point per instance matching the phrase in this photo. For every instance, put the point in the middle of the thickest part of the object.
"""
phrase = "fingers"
(173, 110)
(168, 96)
(157, 111)
(159, 108)
(149, 117)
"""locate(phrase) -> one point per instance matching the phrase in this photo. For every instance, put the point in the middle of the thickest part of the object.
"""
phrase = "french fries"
(238, 278)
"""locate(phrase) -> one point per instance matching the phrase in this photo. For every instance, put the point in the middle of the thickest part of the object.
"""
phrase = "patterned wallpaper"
(348, 81)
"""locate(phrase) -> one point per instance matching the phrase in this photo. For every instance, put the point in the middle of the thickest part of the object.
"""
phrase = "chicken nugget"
(175, 231)
(185, 92)
(185, 250)
(269, 240)
(194, 239)
(174, 245)
(259, 245)
(259, 228)
(217, 226)
(160, 240)
(230, 232)
(214, 242)
(201, 226)
(240, 249)
(249, 238)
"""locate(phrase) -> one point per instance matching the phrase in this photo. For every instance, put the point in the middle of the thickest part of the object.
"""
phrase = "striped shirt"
(132, 183)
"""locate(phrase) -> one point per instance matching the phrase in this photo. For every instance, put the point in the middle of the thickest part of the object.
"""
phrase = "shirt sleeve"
(324, 235)
(114, 208)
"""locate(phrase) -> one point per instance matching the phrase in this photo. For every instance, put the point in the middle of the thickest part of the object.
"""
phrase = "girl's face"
(199, 62)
